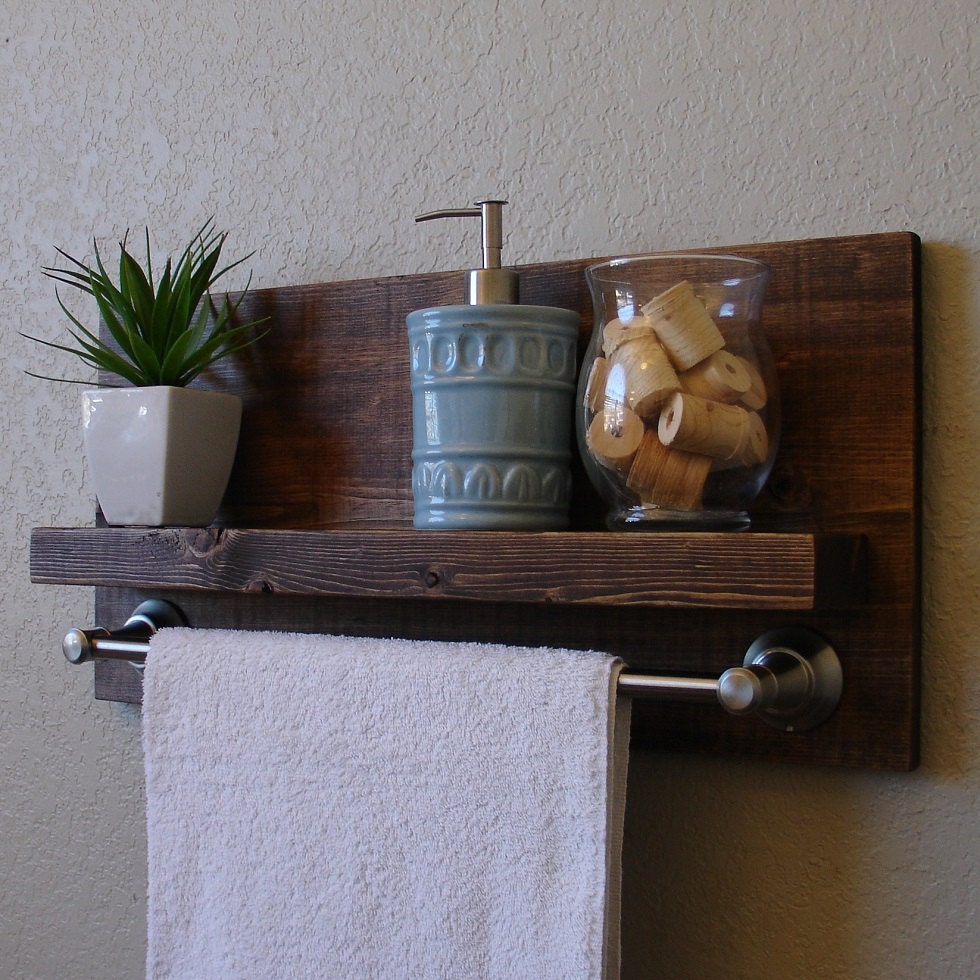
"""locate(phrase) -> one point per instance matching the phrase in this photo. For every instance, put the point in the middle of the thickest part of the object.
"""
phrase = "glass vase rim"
(758, 267)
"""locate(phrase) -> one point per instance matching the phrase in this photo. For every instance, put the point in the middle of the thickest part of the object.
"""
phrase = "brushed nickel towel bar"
(790, 678)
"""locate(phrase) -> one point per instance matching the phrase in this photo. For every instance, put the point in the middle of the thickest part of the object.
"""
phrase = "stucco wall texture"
(314, 132)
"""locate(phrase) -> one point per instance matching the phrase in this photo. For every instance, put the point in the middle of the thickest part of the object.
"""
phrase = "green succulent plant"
(165, 332)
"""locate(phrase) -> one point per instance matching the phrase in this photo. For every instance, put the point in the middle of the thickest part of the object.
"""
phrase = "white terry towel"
(331, 807)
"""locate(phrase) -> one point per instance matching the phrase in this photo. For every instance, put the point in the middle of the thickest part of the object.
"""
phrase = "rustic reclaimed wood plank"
(754, 570)
(327, 426)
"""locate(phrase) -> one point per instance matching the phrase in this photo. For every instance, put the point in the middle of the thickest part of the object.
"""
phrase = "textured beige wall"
(314, 131)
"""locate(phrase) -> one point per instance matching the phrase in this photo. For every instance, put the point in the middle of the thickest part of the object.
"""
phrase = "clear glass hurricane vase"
(677, 412)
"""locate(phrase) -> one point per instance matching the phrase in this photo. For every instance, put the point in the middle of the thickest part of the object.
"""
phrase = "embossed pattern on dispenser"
(492, 392)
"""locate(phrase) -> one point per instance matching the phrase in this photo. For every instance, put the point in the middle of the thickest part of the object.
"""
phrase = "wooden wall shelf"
(695, 570)
(315, 531)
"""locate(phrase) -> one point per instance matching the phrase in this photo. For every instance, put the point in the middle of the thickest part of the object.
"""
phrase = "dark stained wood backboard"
(326, 443)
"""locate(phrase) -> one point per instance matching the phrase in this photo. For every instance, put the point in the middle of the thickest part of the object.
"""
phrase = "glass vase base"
(649, 517)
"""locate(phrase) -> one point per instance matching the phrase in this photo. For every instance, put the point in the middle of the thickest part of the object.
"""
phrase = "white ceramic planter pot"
(160, 456)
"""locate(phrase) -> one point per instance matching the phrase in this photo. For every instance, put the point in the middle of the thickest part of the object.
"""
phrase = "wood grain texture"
(333, 377)
(725, 571)
(326, 444)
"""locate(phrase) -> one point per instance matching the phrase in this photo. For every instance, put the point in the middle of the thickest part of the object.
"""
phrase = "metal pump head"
(492, 283)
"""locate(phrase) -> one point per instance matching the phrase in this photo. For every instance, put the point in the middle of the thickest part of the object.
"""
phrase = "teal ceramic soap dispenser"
(493, 385)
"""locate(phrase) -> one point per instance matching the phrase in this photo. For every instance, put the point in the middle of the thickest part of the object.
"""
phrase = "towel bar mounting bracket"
(131, 642)
(790, 678)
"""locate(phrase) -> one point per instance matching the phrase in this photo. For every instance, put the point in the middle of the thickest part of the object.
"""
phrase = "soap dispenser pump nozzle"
(492, 283)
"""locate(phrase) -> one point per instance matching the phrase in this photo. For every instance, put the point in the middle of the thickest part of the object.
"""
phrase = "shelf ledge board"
(736, 570)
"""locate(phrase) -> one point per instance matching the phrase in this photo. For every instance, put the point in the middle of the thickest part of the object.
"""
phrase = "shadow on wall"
(739, 870)
(950, 529)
